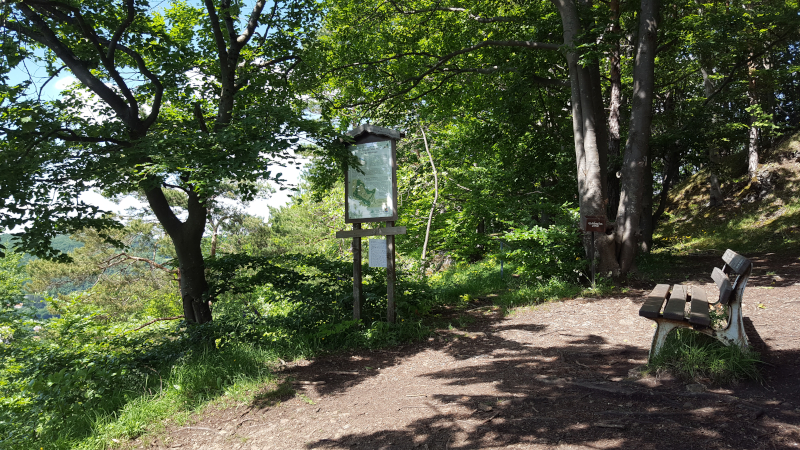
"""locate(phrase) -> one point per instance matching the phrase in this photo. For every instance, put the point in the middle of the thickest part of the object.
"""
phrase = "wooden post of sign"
(591, 248)
(357, 286)
(593, 224)
(390, 275)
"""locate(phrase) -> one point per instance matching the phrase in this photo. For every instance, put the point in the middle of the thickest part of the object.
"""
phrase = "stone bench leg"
(660, 337)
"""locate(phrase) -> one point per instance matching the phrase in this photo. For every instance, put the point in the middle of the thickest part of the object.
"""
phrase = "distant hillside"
(63, 243)
(758, 215)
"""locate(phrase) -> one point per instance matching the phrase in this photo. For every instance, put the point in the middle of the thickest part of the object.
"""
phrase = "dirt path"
(556, 376)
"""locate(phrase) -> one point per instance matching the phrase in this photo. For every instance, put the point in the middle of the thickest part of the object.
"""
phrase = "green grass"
(540, 292)
(231, 375)
(470, 280)
(694, 356)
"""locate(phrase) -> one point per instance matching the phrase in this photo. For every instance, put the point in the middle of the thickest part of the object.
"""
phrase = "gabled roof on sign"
(372, 129)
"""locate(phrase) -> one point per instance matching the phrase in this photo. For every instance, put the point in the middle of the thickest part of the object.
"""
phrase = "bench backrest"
(734, 263)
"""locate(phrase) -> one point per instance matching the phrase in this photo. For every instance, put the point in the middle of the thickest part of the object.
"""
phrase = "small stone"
(695, 388)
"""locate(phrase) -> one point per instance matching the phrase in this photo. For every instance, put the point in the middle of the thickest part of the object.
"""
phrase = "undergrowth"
(753, 218)
(694, 356)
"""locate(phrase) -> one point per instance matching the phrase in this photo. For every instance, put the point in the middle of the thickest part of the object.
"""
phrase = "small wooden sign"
(594, 223)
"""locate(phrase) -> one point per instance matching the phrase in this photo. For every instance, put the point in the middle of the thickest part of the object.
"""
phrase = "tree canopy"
(167, 96)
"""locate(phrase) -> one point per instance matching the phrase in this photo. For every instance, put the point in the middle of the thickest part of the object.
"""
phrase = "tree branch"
(91, 35)
(123, 257)
(159, 88)
(490, 70)
(225, 9)
(156, 320)
(252, 23)
(478, 19)
(131, 14)
(41, 89)
(736, 67)
(158, 202)
(198, 115)
(219, 39)
(48, 38)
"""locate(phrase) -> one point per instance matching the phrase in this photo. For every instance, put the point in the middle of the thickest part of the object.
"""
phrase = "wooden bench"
(688, 306)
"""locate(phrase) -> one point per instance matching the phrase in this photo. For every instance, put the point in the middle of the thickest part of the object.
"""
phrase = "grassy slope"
(745, 224)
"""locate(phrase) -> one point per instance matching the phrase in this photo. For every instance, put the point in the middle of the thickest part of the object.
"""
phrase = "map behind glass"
(369, 194)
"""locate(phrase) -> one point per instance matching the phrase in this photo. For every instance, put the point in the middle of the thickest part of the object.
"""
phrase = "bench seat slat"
(677, 303)
(652, 305)
(699, 309)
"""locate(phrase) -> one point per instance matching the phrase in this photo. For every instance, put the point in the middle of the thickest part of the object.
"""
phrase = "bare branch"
(156, 320)
(263, 39)
(123, 257)
(49, 80)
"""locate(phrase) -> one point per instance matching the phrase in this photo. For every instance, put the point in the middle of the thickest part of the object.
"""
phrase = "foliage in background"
(756, 217)
(121, 282)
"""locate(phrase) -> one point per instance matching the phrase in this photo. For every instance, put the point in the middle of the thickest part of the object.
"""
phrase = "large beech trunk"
(636, 163)
(618, 250)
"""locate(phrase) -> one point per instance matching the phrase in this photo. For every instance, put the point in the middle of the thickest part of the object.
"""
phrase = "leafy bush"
(554, 251)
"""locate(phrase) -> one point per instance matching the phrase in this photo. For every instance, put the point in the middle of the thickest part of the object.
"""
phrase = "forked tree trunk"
(187, 238)
(585, 104)
(616, 251)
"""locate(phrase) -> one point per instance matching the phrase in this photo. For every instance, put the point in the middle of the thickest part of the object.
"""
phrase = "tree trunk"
(435, 195)
(589, 161)
(214, 238)
(672, 162)
(637, 149)
(186, 237)
(715, 193)
(193, 280)
(752, 143)
(614, 122)
(671, 166)
(646, 222)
